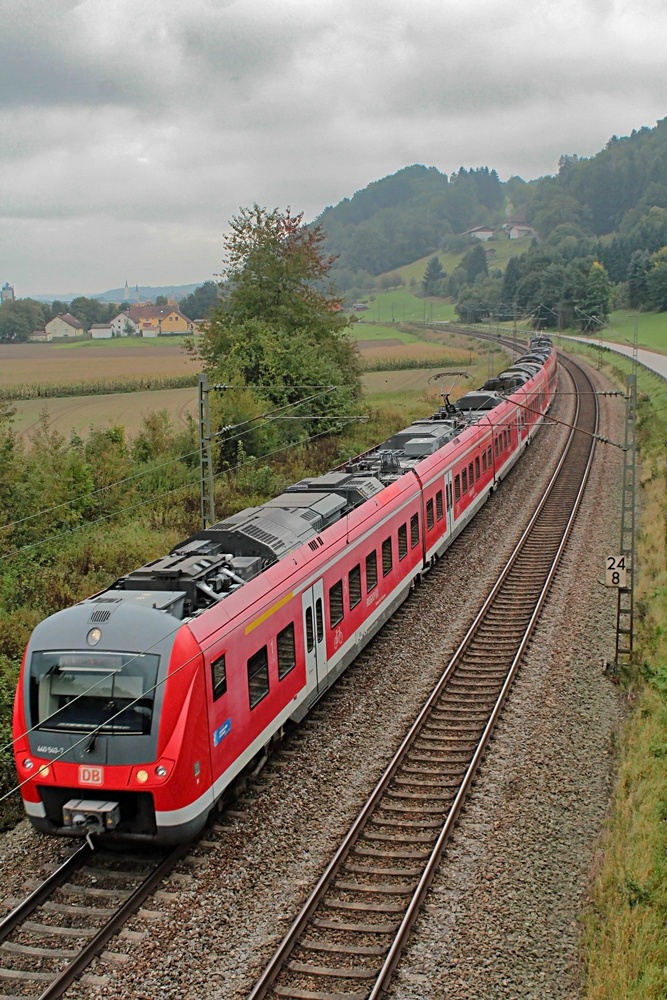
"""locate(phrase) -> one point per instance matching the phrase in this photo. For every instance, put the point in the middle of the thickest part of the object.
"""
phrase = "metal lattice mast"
(205, 457)
(625, 605)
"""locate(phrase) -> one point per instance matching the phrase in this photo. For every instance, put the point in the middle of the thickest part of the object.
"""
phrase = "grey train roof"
(215, 562)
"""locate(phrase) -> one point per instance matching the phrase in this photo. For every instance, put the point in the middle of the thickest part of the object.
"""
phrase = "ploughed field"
(21, 364)
(93, 361)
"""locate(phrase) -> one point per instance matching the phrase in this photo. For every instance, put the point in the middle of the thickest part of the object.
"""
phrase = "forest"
(599, 224)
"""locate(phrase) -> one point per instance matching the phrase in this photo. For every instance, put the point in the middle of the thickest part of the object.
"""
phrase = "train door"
(313, 632)
(449, 504)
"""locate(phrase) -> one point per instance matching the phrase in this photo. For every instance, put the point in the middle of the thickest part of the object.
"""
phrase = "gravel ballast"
(501, 918)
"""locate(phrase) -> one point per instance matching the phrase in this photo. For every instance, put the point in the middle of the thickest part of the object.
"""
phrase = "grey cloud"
(150, 123)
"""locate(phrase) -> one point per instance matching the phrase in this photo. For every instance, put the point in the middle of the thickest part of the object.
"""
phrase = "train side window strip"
(336, 604)
(319, 619)
(387, 559)
(414, 530)
(258, 676)
(464, 479)
(438, 505)
(429, 514)
(402, 542)
(371, 571)
(219, 676)
(484, 461)
(354, 586)
(286, 649)
(490, 457)
(471, 478)
(477, 472)
(310, 632)
(457, 487)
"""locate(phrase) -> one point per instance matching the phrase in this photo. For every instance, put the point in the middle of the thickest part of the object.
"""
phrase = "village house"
(64, 325)
(123, 326)
(40, 336)
(159, 320)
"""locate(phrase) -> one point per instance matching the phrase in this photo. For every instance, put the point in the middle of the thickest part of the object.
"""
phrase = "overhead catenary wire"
(342, 422)
(171, 461)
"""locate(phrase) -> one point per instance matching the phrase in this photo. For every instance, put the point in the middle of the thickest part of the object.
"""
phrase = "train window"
(73, 691)
(464, 479)
(319, 619)
(448, 494)
(483, 461)
(504, 439)
(286, 651)
(387, 560)
(258, 676)
(310, 632)
(471, 478)
(402, 542)
(438, 505)
(354, 586)
(218, 677)
(457, 487)
(477, 473)
(497, 449)
(371, 571)
(429, 514)
(336, 604)
(490, 457)
(414, 530)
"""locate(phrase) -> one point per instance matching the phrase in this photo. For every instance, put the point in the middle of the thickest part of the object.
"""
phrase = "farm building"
(479, 233)
(101, 331)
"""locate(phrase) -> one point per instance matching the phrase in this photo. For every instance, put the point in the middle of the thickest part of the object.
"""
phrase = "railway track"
(54, 934)
(346, 941)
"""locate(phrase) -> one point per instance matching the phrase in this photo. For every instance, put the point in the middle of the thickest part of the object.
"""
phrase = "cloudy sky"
(130, 130)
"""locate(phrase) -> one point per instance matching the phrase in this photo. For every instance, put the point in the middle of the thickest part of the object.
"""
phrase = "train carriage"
(136, 708)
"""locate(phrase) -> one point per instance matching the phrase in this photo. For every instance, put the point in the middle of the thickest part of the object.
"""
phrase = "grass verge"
(625, 944)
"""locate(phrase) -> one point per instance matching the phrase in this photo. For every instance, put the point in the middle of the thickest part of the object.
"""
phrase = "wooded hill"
(609, 209)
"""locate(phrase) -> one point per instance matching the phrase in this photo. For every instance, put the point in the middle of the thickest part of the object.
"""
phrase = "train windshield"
(80, 692)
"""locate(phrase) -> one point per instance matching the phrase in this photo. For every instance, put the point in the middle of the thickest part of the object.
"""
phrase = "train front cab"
(108, 737)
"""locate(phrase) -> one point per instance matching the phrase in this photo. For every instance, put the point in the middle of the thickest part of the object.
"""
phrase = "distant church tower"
(8, 292)
(126, 293)
(136, 293)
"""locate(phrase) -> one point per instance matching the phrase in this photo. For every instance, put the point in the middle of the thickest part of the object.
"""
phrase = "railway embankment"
(625, 941)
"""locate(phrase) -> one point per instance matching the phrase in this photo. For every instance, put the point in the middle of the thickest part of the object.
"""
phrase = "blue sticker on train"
(224, 730)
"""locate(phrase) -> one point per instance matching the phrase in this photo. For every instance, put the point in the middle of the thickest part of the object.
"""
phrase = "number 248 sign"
(616, 572)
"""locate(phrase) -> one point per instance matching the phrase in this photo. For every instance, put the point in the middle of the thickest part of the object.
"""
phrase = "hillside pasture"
(399, 305)
(504, 247)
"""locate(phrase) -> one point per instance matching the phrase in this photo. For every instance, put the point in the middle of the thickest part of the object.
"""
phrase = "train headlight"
(142, 776)
(45, 771)
(94, 636)
(28, 764)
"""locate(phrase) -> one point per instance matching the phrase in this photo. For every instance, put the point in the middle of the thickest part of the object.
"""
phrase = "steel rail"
(119, 915)
(292, 938)
(42, 892)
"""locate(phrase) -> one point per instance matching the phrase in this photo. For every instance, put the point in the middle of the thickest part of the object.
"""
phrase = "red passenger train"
(136, 708)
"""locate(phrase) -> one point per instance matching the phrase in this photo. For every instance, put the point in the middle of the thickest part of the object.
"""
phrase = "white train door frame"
(313, 635)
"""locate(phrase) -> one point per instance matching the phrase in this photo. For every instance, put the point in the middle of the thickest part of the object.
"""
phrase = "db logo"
(91, 775)
(338, 638)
